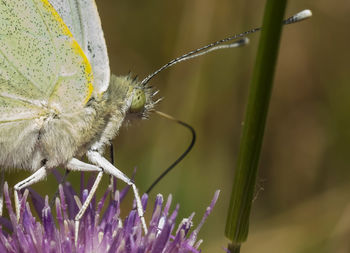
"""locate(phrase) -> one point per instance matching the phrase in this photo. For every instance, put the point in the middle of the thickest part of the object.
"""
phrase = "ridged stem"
(245, 173)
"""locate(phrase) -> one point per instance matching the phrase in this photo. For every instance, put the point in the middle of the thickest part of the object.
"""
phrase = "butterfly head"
(131, 97)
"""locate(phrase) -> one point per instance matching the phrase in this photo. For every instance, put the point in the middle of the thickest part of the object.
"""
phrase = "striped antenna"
(220, 44)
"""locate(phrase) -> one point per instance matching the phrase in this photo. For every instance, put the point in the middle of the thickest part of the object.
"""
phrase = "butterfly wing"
(81, 16)
(41, 64)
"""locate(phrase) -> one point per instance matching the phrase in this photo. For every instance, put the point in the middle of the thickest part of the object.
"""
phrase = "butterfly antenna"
(198, 52)
(182, 156)
(300, 16)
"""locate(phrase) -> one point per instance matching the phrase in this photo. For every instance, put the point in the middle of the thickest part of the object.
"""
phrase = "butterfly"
(58, 100)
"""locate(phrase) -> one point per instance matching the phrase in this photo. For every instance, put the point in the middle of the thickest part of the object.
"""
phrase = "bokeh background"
(303, 192)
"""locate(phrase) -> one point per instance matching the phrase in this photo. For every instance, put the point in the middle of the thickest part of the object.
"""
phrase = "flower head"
(98, 232)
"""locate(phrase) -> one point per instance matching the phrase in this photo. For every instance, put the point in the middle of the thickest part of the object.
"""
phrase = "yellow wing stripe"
(90, 90)
(76, 48)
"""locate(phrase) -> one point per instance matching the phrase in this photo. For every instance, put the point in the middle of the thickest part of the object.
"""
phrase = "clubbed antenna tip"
(300, 16)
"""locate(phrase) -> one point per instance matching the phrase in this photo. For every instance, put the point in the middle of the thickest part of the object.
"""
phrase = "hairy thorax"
(55, 137)
(50, 139)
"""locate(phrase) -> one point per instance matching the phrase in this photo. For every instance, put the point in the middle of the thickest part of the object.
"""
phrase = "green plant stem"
(245, 173)
(234, 248)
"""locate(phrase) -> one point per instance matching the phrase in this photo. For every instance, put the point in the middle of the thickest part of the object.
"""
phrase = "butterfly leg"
(109, 168)
(37, 176)
(76, 165)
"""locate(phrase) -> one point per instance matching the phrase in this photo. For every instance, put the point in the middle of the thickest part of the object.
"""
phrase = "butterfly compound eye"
(138, 101)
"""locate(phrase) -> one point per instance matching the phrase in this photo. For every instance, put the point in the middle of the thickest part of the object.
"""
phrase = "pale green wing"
(41, 64)
(81, 16)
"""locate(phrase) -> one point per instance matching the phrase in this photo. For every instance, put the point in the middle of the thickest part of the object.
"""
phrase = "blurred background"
(303, 191)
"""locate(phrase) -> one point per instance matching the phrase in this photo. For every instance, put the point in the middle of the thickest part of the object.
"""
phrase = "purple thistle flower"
(98, 232)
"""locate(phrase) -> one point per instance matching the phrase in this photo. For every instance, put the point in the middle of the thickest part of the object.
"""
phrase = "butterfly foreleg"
(109, 168)
(37, 176)
(77, 165)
